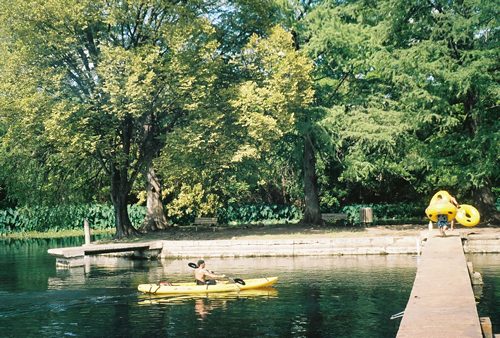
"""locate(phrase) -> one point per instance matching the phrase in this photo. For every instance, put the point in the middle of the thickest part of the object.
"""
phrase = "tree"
(443, 59)
(362, 135)
(274, 101)
(293, 14)
(112, 78)
(155, 212)
(231, 151)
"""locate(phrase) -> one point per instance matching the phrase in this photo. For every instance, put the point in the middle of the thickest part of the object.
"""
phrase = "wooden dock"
(74, 256)
(442, 302)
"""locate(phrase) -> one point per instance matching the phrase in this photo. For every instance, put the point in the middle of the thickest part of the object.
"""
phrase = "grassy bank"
(54, 234)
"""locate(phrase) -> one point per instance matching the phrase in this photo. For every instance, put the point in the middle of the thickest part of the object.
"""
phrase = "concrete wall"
(292, 247)
(481, 243)
(381, 245)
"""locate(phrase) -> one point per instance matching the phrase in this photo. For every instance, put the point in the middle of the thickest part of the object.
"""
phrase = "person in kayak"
(205, 277)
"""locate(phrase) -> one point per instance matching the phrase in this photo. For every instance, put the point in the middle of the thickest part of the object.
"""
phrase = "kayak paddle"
(235, 280)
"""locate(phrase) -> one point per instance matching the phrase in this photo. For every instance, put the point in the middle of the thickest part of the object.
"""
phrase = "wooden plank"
(109, 249)
(442, 302)
(94, 249)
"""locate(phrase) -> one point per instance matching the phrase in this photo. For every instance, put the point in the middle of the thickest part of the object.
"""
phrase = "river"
(334, 296)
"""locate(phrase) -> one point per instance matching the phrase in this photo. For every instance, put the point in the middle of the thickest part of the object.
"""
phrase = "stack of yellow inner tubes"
(440, 204)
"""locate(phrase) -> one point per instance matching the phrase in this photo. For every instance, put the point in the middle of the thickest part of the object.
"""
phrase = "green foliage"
(191, 202)
(92, 88)
(363, 135)
(64, 217)
(238, 20)
(400, 99)
(272, 101)
(387, 213)
(442, 59)
(233, 152)
(259, 213)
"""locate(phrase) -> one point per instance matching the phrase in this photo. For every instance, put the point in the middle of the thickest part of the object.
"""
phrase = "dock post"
(86, 230)
(486, 327)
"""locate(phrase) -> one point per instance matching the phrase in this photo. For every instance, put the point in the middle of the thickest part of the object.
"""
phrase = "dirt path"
(278, 232)
(290, 231)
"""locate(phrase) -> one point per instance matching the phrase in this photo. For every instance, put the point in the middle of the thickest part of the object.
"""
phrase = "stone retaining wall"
(479, 243)
(292, 247)
(381, 245)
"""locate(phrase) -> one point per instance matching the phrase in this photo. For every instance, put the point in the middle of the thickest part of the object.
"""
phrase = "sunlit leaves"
(102, 79)
(275, 97)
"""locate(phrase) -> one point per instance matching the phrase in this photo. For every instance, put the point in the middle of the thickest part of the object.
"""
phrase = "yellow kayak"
(192, 288)
(266, 292)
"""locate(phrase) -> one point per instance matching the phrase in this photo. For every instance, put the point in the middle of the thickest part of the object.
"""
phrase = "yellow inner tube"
(441, 208)
(467, 215)
(440, 196)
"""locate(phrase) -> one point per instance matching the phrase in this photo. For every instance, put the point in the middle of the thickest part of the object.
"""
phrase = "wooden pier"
(442, 302)
(74, 256)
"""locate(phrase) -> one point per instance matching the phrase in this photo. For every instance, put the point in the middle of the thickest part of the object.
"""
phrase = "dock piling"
(86, 230)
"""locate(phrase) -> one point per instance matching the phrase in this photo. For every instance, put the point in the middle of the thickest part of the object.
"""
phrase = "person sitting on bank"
(205, 277)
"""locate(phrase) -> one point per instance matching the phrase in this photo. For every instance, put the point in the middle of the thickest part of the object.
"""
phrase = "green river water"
(345, 296)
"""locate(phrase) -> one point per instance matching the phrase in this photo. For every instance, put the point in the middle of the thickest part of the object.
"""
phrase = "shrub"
(387, 213)
(259, 213)
(64, 217)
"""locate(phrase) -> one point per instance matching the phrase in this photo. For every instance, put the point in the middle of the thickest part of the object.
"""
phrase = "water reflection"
(201, 308)
(266, 292)
(205, 304)
(97, 267)
(177, 270)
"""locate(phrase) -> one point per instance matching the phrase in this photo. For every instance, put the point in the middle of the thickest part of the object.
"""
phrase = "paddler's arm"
(213, 276)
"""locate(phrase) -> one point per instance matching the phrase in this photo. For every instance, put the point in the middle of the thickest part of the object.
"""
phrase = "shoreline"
(376, 241)
(272, 232)
(251, 232)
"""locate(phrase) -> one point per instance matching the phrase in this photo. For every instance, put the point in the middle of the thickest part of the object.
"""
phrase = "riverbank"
(294, 231)
(272, 232)
(252, 232)
(275, 241)
(55, 234)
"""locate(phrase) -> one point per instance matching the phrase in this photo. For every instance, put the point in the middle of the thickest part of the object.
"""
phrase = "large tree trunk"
(312, 214)
(155, 213)
(119, 194)
(486, 204)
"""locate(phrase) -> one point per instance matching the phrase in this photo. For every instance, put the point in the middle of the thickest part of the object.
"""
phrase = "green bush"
(259, 213)
(387, 213)
(64, 217)
(101, 216)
